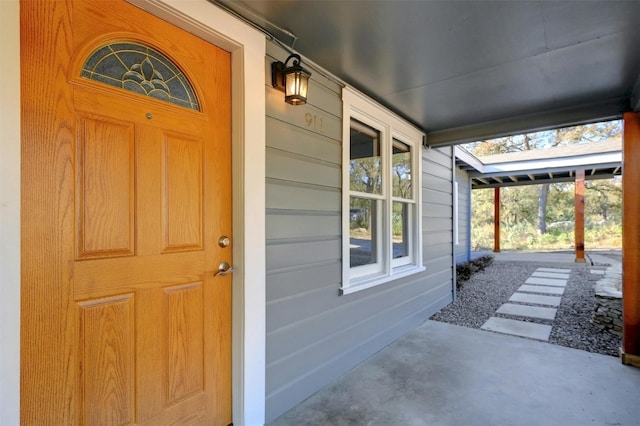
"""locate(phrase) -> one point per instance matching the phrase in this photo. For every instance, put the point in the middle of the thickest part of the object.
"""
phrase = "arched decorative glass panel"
(142, 70)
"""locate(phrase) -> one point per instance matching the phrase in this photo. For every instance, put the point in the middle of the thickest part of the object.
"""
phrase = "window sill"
(376, 280)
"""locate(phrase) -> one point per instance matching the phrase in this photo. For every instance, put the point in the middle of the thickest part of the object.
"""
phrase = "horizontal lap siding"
(464, 244)
(314, 335)
(332, 349)
(437, 208)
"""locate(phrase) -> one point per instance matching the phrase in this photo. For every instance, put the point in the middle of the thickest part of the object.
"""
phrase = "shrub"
(465, 270)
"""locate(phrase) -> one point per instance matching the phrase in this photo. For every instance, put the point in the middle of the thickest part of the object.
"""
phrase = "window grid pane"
(401, 170)
(363, 231)
(365, 168)
(401, 229)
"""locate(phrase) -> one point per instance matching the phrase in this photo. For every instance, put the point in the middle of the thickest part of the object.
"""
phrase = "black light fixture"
(293, 80)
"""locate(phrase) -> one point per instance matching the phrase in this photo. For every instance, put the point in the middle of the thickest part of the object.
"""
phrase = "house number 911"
(315, 122)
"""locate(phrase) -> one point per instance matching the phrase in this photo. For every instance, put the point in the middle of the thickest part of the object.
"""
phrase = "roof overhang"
(603, 165)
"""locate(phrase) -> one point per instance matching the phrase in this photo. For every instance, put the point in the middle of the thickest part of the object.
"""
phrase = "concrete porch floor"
(442, 374)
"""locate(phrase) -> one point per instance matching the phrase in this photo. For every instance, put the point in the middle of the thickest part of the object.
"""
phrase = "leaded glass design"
(142, 70)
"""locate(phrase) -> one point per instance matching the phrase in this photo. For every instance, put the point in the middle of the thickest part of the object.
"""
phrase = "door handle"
(223, 269)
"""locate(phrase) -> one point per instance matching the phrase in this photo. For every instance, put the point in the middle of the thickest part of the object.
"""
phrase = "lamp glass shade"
(296, 84)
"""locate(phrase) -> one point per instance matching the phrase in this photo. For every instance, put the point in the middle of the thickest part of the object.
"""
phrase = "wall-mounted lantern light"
(293, 80)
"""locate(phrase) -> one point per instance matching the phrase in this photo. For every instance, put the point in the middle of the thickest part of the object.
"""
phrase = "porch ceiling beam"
(570, 173)
(550, 175)
(483, 180)
(532, 177)
(609, 109)
(616, 170)
(497, 179)
(513, 178)
(593, 172)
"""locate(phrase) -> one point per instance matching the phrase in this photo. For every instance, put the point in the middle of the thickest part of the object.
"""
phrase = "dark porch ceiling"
(471, 70)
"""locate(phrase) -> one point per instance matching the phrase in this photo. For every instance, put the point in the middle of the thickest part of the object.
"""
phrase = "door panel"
(181, 192)
(146, 187)
(105, 185)
(185, 355)
(108, 358)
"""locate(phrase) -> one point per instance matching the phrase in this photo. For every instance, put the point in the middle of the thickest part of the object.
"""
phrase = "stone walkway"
(538, 298)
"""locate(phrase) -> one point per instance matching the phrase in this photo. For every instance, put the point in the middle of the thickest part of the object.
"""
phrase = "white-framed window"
(381, 195)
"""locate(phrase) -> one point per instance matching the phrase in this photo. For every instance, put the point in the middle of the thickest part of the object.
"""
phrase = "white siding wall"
(463, 248)
(314, 335)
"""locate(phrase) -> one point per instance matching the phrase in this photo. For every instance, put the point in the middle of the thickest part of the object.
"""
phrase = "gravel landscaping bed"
(486, 291)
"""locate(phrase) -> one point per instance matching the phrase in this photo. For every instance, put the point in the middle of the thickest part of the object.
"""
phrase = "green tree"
(525, 207)
(604, 201)
(546, 139)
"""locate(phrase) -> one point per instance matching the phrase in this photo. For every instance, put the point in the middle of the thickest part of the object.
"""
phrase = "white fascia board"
(469, 159)
(553, 174)
(531, 166)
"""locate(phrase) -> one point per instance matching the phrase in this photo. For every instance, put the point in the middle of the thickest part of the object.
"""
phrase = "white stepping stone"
(541, 289)
(546, 281)
(527, 311)
(536, 299)
(550, 275)
(518, 328)
(559, 270)
(597, 271)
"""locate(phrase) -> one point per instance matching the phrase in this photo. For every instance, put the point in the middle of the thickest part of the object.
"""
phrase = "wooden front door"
(126, 192)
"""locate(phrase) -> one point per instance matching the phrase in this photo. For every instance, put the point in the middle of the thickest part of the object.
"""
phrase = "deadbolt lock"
(224, 241)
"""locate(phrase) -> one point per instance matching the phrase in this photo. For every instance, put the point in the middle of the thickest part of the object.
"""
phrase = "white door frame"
(10, 211)
(247, 47)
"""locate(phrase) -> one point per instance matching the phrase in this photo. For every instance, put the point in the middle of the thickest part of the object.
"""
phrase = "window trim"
(358, 107)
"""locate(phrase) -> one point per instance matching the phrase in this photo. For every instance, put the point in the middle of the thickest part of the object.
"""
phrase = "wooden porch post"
(496, 219)
(630, 351)
(579, 216)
